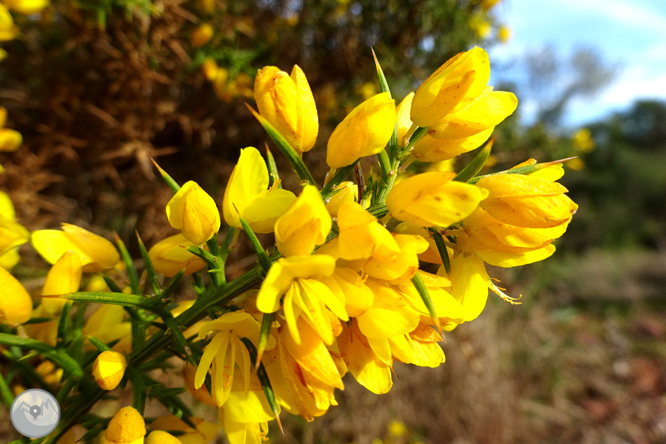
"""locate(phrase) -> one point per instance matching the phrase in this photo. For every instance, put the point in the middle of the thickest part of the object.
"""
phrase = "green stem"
(58, 357)
(159, 341)
(5, 392)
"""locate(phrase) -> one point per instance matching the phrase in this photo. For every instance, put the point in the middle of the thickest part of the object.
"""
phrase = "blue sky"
(630, 34)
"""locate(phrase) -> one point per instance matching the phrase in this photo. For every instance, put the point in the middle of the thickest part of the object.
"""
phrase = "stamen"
(499, 292)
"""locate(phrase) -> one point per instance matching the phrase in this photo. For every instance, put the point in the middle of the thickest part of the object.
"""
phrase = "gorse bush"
(363, 273)
(97, 88)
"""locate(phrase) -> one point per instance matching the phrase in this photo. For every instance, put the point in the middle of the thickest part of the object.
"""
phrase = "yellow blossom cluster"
(363, 274)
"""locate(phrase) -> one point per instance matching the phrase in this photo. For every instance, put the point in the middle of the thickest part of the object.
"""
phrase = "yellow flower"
(345, 192)
(63, 278)
(304, 225)
(448, 308)
(403, 118)
(466, 129)
(576, 164)
(526, 201)
(348, 286)
(210, 69)
(26, 7)
(470, 284)
(583, 141)
(204, 432)
(10, 140)
(201, 394)
(431, 255)
(201, 35)
(170, 255)
(451, 87)
(247, 194)
(106, 324)
(519, 219)
(95, 252)
(296, 278)
(365, 131)
(400, 266)
(286, 101)
(161, 437)
(12, 234)
(504, 34)
(433, 199)
(126, 427)
(15, 302)
(304, 374)
(362, 236)
(194, 212)
(51, 374)
(7, 29)
(397, 428)
(418, 347)
(367, 365)
(480, 25)
(246, 413)
(226, 351)
(109, 369)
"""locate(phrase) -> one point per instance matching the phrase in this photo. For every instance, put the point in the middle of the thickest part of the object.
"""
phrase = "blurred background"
(98, 87)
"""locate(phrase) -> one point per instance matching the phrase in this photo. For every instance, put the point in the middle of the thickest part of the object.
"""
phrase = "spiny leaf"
(290, 153)
(393, 142)
(441, 248)
(129, 263)
(527, 169)
(476, 164)
(425, 296)
(168, 179)
(263, 257)
(150, 270)
(266, 324)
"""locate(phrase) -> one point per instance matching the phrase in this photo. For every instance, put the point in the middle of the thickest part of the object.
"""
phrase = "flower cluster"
(363, 275)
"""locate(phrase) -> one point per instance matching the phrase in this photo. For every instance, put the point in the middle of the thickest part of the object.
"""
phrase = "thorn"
(277, 418)
(260, 354)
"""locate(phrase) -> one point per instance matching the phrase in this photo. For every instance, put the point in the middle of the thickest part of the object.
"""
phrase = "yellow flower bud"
(170, 255)
(403, 118)
(10, 140)
(452, 87)
(7, 29)
(210, 69)
(126, 427)
(108, 369)
(15, 302)
(95, 252)
(247, 194)
(504, 34)
(286, 101)
(433, 199)
(194, 212)
(365, 131)
(63, 278)
(160, 437)
(12, 234)
(26, 7)
(304, 225)
(201, 35)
